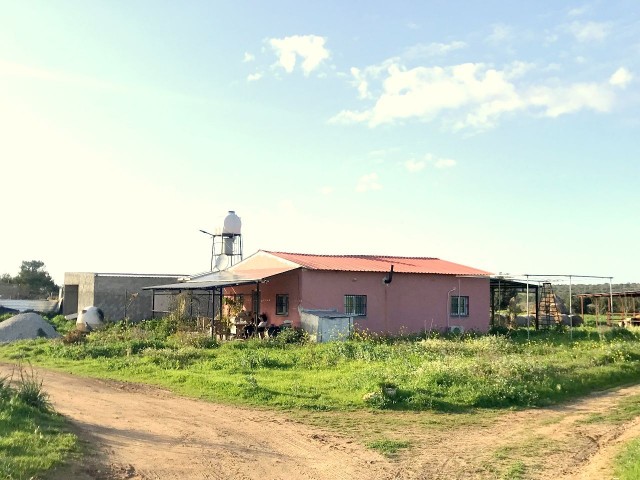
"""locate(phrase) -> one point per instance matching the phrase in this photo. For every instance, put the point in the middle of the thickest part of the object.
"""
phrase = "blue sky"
(502, 135)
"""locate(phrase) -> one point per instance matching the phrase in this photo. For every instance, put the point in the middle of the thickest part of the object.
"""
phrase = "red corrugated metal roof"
(375, 263)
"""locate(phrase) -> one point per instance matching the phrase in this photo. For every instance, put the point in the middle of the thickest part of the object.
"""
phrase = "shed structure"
(118, 295)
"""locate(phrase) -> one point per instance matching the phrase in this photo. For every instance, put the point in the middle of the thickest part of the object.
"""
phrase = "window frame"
(358, 304)
(285, 297)
(454, 310)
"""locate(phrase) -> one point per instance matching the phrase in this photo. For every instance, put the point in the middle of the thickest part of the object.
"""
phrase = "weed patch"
(627, 463)
(627, 409)
(387, 446)
(32, 438)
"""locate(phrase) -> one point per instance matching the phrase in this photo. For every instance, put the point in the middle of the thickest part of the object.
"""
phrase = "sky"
(500, 135)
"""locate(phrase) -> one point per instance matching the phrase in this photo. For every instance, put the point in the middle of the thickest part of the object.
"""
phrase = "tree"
(35, 278)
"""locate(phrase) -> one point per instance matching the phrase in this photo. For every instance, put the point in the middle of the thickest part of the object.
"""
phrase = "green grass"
(387, 446)
(515, 472)
(627, 409)
(456, 374)
(33, 438)
(627, 463)
(513, 460)
(61, 324)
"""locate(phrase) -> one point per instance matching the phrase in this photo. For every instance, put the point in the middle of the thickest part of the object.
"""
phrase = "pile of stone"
(26, 326)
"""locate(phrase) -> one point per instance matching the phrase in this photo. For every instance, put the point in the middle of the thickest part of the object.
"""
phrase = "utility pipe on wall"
(449, 305)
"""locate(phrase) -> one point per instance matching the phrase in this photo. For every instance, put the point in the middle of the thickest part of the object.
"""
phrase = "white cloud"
(254, 77)
(552, 67)
(500, 33)
(425, 92)
(368, 182)
(471, 95)
(589, 31)
(248, 57)
(382, 152)
(310, 48)
(361, 83)
(445, 163)
(518, 69)
(349, 116)
(433, 49)
(550, 38)
(578, 11)
(414, 165)
(562, 100)
(621, 78)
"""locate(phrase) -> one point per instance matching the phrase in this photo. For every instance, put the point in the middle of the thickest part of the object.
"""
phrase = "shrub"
(5, 389)
(498, 330)
(30, 392)
(74, 337)
(61, 324)
(292, 335)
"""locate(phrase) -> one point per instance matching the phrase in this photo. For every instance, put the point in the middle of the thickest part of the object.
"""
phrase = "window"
(459, 306)
(355, 304)
(282, 304)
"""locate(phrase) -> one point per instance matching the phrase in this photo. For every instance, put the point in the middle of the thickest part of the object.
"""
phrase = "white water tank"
(90, 318)
(232, 224)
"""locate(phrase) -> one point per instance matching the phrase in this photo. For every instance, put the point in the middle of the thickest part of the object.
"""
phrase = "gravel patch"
(26, 326)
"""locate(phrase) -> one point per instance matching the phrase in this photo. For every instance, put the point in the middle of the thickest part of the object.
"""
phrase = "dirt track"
(140, 432)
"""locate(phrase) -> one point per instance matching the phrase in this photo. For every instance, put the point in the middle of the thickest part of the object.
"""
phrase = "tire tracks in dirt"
(553, 443)
(139, 432)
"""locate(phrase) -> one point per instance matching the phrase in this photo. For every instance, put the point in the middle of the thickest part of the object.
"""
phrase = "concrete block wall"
(117, 295)
(120, 296)
(83, 297)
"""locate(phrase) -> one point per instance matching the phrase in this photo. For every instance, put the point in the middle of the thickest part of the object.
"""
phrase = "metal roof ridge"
(357, 255)
(154, 275)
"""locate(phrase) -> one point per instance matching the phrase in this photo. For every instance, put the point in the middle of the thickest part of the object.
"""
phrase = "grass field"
(628, 461)
(442, 374)
(32, 437)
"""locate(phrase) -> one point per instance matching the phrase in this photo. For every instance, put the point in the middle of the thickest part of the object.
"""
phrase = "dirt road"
(141, 432)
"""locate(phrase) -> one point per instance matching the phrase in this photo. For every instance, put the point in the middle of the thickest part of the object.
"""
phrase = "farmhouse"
(381, 294)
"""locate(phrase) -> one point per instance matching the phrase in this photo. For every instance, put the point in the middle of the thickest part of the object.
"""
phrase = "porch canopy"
(215, 282)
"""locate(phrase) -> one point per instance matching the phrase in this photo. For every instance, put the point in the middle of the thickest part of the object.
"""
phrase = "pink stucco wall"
(284, 283)
(411, 303)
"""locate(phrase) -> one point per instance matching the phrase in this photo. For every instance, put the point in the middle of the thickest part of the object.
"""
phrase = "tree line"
(630, 304)
(32, 280)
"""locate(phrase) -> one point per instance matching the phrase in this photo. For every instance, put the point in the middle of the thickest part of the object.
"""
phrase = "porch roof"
(223, 279)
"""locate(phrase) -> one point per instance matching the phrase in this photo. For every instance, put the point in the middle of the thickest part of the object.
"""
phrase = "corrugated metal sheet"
(223, 279)
(373, 263)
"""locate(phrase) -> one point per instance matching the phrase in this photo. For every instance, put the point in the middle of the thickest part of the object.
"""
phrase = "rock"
(26, 326)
